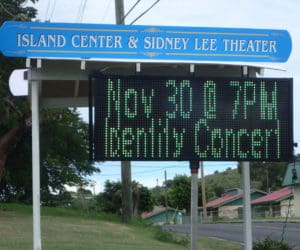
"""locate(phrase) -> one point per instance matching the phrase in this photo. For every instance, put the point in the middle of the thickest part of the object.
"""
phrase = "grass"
(206, 243)
(69, 229)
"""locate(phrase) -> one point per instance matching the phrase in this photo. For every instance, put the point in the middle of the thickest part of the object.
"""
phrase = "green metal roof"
(288, 178)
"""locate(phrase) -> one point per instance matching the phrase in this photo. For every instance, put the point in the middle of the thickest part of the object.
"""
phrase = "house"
(292, 178)
(283, 202)
(162, 215)
(277, 203)
(230, 204)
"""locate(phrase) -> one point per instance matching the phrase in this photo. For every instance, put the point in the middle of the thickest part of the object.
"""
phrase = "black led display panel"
(189, 118)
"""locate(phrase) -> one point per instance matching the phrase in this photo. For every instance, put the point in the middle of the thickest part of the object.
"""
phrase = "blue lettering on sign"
(143, 43)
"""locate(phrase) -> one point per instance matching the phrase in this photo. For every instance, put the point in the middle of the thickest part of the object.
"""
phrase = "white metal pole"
(36, 166)
(247, 226)
(194, 204)
(204, 210)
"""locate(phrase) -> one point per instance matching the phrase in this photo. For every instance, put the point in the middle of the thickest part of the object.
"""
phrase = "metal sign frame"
(237, 119)
(143, 43)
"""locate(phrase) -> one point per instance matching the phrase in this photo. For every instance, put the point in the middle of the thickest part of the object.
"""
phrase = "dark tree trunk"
(8, 141)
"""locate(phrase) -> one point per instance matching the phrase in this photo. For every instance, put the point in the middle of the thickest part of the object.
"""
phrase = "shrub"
(169, 237)
(270, 244)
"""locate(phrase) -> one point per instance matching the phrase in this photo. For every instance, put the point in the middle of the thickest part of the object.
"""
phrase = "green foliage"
(64, 145)
(220, 181)
(146, 203)
(19, 208)
(15, 10)
(270, 244)
(217, 183)
(68, 228)
(63, 198)
(180, 192)
(158, 195)
(111, 199)
(11, 10)
(64, 149)
(267, 176)
(169, 237)
(64, 158)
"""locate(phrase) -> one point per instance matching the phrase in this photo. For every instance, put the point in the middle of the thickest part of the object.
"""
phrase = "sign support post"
(247, 206)
(194, 166)
(247, 225)
(37, 245)
(204, 211)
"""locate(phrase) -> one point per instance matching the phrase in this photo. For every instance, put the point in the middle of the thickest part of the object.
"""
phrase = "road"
(234, 231)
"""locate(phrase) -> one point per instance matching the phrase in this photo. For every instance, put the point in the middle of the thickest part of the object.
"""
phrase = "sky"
(258, 14)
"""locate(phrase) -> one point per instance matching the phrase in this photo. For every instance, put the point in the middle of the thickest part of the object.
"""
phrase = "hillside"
(67, 228)
(217, 183)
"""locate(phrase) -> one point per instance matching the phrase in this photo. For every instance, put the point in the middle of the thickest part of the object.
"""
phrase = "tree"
(15, 113)
(143, 200)
(218, 183)
(147, 200)
(64, 157)
(64, 144)
(159, 195)
(269, 174)
(111, 199)
(15, 10)
(181, 192)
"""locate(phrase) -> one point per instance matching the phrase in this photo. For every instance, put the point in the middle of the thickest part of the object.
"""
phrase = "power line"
(146, 11)
(47, 11)
(52, 12)
(132, 8)
(146, 166)
(47, 16)
(81, 10)
(108, 3)
(141, 172)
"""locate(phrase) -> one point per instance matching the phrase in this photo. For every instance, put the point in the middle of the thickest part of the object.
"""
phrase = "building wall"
(284, 208)
(297, 200)
(173, 216)
(230, 212)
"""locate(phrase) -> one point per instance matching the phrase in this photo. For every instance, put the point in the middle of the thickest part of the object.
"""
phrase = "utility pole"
(127, 204)
(119, 11)
(166, 197)
(203, 192)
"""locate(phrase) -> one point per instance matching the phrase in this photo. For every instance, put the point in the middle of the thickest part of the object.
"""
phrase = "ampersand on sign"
(132, 43)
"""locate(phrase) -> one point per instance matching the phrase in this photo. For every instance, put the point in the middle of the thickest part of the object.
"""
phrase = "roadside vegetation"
(69, 228)
(270, 244)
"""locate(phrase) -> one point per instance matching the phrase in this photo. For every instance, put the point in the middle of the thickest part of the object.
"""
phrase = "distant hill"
(218, 182)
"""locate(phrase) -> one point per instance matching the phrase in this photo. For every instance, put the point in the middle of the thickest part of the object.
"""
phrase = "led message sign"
(175, 118)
